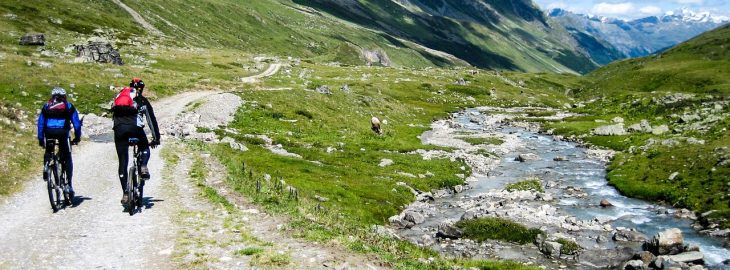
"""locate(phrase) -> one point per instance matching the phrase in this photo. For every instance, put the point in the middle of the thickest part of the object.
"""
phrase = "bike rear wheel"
(131, 185)
(54, 195)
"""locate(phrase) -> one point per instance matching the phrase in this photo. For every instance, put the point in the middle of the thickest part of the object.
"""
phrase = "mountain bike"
(54, 173)
(135, 183)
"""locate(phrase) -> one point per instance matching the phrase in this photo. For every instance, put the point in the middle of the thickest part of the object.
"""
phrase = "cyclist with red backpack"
(129, 111)
(54, 122)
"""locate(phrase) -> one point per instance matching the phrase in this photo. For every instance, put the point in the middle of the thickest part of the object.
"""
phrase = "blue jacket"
(47, 120)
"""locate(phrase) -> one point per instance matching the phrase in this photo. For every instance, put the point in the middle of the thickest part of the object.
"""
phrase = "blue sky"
(632, 9)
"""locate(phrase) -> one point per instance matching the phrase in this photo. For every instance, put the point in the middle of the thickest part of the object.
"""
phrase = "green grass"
(249, 251)
(483, 229)
(532, 184)
(478, 140)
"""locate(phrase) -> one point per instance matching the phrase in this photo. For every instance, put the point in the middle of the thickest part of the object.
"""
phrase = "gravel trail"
(95, 233)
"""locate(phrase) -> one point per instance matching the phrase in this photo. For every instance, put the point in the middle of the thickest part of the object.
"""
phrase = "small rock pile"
(667, 250)
(98, 52)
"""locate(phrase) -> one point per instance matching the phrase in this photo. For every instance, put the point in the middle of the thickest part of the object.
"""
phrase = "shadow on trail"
(149, 202)
(78, 200)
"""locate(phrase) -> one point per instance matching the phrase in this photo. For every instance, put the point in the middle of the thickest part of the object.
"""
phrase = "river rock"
(33, 40)
(560, 158)
(449, 231)
(634, 265)
(415, 217)
(551, 249)
(610, 130)
(527, 157)
(686, 257)
(605, 203)
(645, 256)
(606, 259)
(398, 221)
(668, 242)
(629, 236)
(458, 188)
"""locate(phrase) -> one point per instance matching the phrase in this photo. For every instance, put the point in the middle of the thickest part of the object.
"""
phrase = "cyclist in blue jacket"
(54, 122)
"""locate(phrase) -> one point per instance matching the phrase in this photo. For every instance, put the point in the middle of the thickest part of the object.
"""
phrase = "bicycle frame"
(55, 175)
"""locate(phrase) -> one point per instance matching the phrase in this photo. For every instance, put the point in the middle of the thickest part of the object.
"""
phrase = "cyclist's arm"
(41, 124)
(75, 121)
(152, 120)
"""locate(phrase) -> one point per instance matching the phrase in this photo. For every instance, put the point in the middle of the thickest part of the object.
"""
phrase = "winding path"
(139, 19)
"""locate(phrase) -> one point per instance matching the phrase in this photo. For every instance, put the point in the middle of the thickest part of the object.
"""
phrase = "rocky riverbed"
(576, 204)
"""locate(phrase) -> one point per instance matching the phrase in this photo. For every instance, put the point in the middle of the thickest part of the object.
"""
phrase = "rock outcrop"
(33, 40)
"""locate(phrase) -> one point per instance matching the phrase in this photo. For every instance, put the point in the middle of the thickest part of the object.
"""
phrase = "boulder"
(610, 130)
(629, 236)
(605, 203)
(385, 162)
(642, 126)
(449, 231)
(668, 242)
(345, 88)
(526, 157)
(33, 40)
(98, 52)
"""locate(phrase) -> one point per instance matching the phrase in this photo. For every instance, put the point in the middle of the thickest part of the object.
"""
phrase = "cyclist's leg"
(144, 148)
(121, 142)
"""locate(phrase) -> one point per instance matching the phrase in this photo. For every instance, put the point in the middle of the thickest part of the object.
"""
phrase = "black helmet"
(137, 83)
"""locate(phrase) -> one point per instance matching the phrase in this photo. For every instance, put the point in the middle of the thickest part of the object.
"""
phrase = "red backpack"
(126, 98)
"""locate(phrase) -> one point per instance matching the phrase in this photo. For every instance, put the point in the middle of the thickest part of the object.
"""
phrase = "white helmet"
(58, 91)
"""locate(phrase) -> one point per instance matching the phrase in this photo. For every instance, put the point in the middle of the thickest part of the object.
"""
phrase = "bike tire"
(54, 194)
(67, 198)
(50, 184)
(131, 204)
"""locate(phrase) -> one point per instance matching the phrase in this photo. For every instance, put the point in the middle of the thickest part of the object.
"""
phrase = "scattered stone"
(376, 57)
(461, 81)
(385, 162)
(689, 118)
(527, 157)
(617, 119)
(673, 175)
(345, 88)
(645, 256)
(458, 188)
(642, 126)
(610, 130)
(33, 40)
(660, 130)
(321, 199)
(605, 203)
(323, 89)
(551, 249)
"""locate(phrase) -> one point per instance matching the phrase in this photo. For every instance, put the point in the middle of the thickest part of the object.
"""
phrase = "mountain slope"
(640, 37)
(511, 35)
(700, 65)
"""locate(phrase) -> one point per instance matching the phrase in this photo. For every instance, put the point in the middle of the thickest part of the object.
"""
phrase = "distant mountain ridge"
(636, 38)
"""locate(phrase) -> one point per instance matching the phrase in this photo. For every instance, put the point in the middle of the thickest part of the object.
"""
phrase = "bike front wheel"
(54, 195)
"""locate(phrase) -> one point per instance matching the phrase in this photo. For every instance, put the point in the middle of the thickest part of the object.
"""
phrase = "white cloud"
(560, 5)
(650, 10)
(694, 2)
(613, 9)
